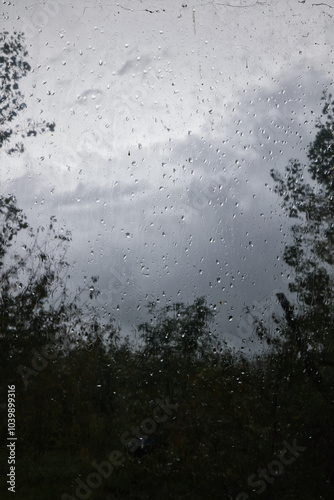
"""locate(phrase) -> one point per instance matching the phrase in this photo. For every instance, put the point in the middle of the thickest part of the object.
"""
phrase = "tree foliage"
(12, 221)
(14, 66)
(311, 254)
(178, 328)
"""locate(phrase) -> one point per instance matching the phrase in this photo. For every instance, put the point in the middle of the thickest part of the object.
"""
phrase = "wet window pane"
(166, 250)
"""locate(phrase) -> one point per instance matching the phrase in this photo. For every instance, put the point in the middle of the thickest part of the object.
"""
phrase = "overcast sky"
(169, 116)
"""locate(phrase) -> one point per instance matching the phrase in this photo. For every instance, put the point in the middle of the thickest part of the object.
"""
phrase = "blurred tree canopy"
(178, 328)
(307, 194)
(13, 67)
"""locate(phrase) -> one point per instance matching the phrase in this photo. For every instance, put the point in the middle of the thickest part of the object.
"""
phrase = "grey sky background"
(169, 117)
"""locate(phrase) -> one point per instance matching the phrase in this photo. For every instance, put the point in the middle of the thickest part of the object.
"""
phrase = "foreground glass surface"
(166, 253)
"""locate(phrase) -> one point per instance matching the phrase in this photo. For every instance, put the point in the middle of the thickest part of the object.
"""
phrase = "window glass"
(166, 249)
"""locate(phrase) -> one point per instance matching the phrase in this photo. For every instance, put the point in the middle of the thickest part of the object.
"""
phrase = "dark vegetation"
(79, 389)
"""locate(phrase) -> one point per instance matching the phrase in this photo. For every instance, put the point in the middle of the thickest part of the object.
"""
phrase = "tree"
(12, 221)
(13, 67)
(44, 322)
(34, 305)
(178, 329)
(311, 203)
(54, 345)
(38, 308)
(177, 340)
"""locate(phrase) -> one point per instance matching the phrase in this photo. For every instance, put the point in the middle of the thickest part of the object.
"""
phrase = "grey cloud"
(198, 217)
(135, 63)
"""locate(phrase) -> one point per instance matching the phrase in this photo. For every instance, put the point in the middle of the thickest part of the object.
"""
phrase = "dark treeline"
(78, 399)
(178, 417)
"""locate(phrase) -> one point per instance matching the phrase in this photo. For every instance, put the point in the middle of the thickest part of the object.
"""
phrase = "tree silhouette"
(307, 194)
(178, 329)
(35, 305)
(44, 321)
(177, 342)
(13, 67)
(311, 254)
(12, 221)
(37, 308)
